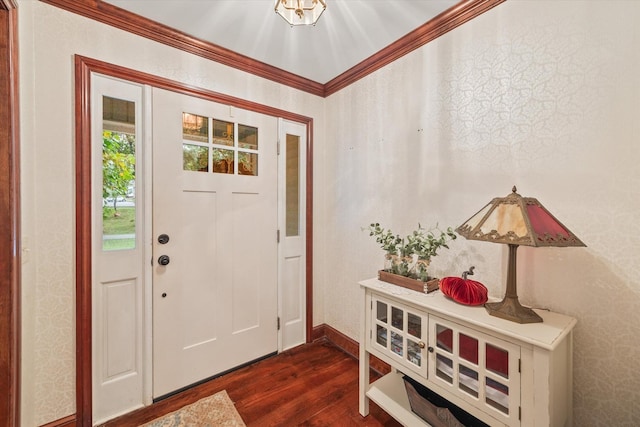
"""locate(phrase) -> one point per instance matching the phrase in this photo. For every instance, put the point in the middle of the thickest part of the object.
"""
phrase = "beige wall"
(49, 39)
(539, 94)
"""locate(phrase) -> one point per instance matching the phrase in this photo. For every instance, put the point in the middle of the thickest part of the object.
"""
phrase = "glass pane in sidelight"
(468, 348)
(414, 325)
(223, 133)
(468, 380)
(444, 338)
(396, 343)
(414, 353)
(195, 127)
(222, 161)
(497, 395)
(118, 115)
(118, 174)
(381, 336)
(247, 163)
(381, 311)
(247, 137)
(292, 191)
(396, 317)
(444, 368)
(497, 360)
(195, 158)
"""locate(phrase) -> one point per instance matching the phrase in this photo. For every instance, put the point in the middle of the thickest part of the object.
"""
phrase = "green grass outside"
(124, 223)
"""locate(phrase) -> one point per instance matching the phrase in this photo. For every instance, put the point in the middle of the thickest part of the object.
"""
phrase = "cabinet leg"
(363, 404)
(363, 356)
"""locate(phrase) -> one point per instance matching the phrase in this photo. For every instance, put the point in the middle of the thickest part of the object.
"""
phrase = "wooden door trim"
(84, 67)
(10, 247)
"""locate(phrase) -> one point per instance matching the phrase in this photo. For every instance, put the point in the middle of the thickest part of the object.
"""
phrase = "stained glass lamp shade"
(516, 220)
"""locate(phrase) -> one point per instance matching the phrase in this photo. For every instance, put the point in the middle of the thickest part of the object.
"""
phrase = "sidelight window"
(118, 174)
(292, 194)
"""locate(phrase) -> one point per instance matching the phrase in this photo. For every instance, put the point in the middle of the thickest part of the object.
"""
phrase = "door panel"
(292, 258)
(215, 302)
(118, 276)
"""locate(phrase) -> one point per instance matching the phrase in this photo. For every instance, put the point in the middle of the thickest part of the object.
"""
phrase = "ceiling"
(348, 32)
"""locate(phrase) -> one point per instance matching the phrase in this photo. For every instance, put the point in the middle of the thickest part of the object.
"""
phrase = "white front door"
(214, 229)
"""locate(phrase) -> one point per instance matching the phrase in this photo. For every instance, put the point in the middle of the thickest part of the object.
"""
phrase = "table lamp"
(516, 220)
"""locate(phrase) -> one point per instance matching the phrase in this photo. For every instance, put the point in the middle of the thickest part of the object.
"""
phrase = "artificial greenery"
(387, 240)
(410, 256)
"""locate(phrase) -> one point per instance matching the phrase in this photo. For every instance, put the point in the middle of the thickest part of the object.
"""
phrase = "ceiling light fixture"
(300, 12)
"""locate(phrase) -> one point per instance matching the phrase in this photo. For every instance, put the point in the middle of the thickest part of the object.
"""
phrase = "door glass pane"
(195, 128)
(247, 137)
(468, 380)
(497, 360)
(381, 311)
(195, 158)
(396, 343)
(222, 161)
(444, 368)
(247, 163)
(381, 335)
(414, 353)
(293, 185)
(497, 395)
(118, 174)
(396, 317)
(414, 325)
(468, 348)
(444, 337)
(222, 133)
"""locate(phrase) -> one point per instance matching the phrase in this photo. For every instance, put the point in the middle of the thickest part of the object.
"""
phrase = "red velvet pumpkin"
(463, 290)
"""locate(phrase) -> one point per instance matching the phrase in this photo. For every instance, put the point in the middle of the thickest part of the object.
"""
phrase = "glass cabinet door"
(481, 369)
(399, 332)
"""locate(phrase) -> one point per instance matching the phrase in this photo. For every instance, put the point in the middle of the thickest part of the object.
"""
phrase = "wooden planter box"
(408, 282)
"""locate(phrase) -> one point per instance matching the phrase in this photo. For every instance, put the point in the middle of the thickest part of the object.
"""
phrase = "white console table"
(501, 372)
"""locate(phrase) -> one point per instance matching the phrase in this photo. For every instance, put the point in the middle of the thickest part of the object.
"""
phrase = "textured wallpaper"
(50, 37)
(539, 94)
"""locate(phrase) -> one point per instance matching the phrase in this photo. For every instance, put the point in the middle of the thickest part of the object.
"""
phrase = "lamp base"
(509, 308)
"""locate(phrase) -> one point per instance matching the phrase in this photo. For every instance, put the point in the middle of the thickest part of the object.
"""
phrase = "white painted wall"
(49, 39)
(541, 94)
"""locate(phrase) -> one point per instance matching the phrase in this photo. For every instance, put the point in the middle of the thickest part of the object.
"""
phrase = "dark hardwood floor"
(311, 385)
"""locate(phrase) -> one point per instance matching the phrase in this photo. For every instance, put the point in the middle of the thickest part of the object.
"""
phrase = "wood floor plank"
(311, 385)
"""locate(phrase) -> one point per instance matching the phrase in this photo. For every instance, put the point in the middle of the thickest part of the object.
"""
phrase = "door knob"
(164, 260)
(163, 239)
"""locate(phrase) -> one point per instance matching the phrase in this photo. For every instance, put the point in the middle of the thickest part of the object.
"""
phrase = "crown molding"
(8, 4)
(112, 15)
(136, 24)
(451, 18)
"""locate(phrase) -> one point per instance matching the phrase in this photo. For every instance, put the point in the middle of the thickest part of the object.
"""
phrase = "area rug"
(212, 411)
